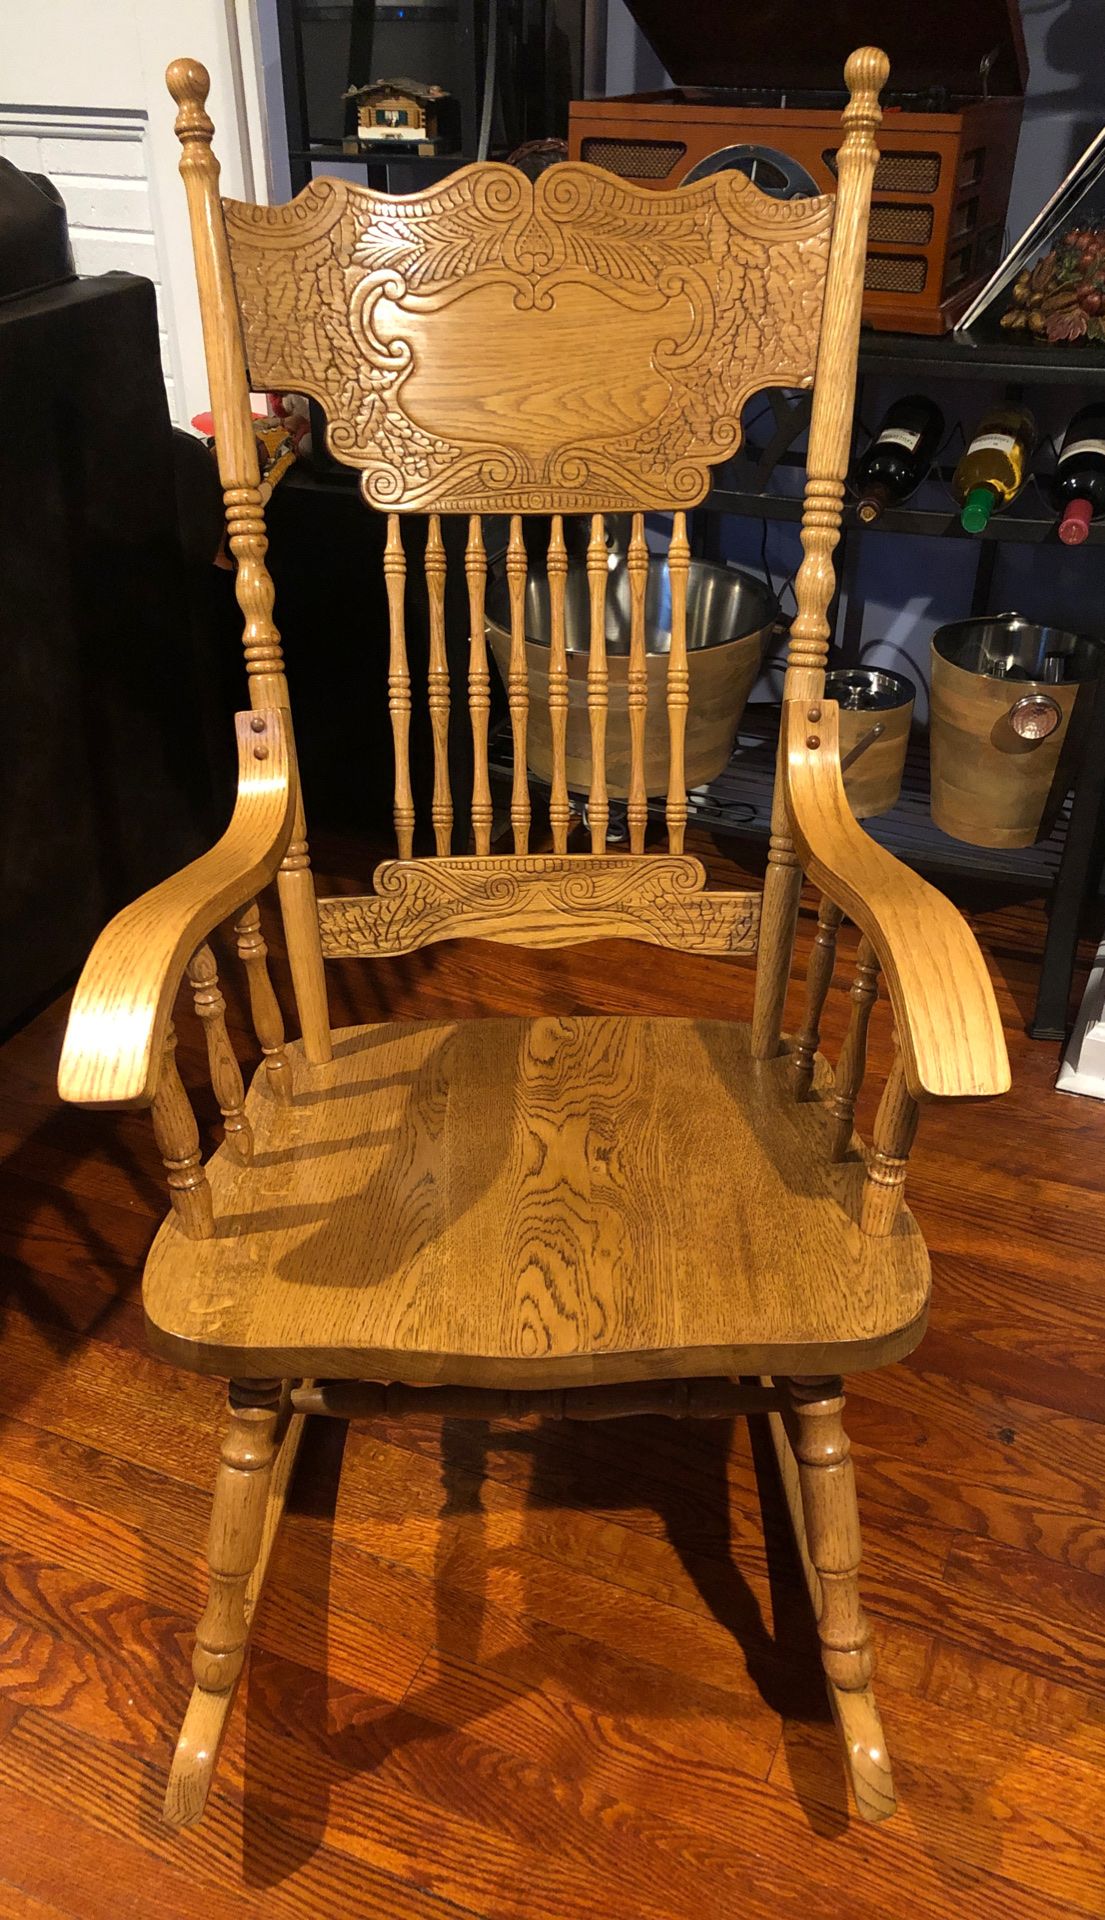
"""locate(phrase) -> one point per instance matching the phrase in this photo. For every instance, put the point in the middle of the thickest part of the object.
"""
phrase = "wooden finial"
(190, 83)
(866, 72)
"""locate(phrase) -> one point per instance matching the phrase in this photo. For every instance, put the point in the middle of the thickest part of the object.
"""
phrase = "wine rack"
(1068, 865)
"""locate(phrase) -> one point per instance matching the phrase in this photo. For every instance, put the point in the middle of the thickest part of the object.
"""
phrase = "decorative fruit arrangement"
(1062, 298)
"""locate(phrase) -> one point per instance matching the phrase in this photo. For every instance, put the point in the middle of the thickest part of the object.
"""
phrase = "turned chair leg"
(237, 1523)
(819, 1483)
(255, 1466)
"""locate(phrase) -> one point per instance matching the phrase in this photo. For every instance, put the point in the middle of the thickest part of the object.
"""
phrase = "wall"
(83, 99)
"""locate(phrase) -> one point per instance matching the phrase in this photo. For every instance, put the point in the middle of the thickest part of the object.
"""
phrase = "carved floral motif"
(732, 281)
(541, 900)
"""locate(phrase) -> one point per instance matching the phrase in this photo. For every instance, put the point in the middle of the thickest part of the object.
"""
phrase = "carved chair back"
(494, 346)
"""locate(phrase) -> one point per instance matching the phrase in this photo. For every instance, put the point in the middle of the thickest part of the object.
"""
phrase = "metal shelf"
(986, 353)
(333, 150)
(936, 522)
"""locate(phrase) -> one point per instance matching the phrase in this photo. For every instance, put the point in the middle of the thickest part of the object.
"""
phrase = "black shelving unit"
(352, 30)
(1069, 865)
(1014, 525)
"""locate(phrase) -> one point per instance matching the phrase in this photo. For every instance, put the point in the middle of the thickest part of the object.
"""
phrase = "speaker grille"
(900, 172)
(901, 226)
(894, 273)
(634, 159)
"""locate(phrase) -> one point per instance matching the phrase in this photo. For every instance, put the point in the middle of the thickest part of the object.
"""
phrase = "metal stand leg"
(1079, 870)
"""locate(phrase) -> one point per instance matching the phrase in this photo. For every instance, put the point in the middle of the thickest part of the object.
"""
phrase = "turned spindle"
(819, 974)
(895, 1127)
(479, 683)
(226, 1077)
(560, 811)
(399, 685)
(178, 1142)
(598, 683)
(518, 684)
(678, 684)
(268, 1021)
(637, 684)
(852, 1064)
(441, 806)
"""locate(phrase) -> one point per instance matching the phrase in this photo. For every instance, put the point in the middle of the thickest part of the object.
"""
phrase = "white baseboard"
(1083, 1068)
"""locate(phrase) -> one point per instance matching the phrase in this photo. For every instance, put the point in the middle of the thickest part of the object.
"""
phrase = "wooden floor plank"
(67, 1772)
(17, 1905)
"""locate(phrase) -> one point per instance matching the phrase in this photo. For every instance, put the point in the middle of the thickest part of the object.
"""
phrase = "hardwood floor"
(544, 1673)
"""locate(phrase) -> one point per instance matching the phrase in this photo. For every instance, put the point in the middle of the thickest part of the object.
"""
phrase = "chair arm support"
(111, 1055)
(948, 1022)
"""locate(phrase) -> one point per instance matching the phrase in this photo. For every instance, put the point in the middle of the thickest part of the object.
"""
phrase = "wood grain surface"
(952, 1043)
(540, 900)
(124, 998)
(537, 1203)
(240, 475)
(828, 453)
(566, 1669)
(495, 344)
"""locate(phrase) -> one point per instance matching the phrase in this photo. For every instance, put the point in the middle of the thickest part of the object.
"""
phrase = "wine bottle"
(994, 467)
(899, 456)
(1078, 485)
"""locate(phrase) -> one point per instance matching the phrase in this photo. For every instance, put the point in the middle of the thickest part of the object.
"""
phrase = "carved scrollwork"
(572, 343)
(540, 900)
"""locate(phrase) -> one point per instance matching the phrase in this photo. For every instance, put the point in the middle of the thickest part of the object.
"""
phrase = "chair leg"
(819, 1483)
(255, 1466)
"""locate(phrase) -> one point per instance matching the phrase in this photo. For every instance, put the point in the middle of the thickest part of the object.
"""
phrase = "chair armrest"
(948, 1022)
(111, 1055)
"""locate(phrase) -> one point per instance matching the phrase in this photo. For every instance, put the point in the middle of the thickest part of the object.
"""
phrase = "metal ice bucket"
(1007, 723)
(876, 709)
(730, 615)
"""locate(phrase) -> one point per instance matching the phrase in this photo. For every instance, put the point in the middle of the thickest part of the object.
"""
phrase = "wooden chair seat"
(537, 1203)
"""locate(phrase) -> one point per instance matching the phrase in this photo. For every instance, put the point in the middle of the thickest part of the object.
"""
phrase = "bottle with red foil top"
(1078, 485)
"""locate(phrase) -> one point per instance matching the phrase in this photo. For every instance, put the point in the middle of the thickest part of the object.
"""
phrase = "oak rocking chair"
(580, 1216)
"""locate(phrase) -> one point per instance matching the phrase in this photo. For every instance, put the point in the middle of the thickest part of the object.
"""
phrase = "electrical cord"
(483, 144)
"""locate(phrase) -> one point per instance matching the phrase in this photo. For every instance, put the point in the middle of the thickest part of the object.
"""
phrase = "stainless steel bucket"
(876, 709)
(1008, 708)
(730, 615)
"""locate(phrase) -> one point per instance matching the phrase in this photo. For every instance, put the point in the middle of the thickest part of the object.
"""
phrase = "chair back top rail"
(573, 344)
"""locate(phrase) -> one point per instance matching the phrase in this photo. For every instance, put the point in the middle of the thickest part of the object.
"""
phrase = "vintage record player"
(768, 77)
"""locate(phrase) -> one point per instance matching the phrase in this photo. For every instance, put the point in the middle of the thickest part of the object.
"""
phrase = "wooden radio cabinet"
(769, 79)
